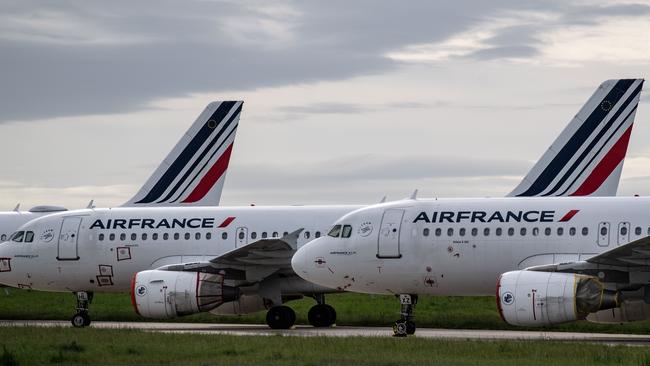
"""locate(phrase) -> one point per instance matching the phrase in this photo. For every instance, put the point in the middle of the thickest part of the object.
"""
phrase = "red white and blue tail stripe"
(194, 172)
(587, 158)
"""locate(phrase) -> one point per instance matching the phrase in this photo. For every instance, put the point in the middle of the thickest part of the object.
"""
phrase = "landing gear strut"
(405, 325)
(321, 315)
(280, 317)
(81, 318)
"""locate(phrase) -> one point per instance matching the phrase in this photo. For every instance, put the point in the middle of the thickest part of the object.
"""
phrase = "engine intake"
(529, 298)
(168, 294)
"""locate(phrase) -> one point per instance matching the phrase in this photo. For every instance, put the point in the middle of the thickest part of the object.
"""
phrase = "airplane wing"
(251, 262)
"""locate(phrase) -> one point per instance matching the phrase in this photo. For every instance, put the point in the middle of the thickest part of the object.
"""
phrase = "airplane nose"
(298, 262)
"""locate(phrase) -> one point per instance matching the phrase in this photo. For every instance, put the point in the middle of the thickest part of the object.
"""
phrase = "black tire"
(86, 319)
(410, 327)
(319, 316)
(79, 320)
(280, 317)
(332, 315)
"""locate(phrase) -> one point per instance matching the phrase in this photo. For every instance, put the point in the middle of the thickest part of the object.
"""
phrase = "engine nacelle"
(246, 304)
(529, 298)
(629, 311)
(168, 294)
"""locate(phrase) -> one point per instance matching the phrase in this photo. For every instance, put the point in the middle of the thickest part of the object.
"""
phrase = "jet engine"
(163, 294)
(529, 298)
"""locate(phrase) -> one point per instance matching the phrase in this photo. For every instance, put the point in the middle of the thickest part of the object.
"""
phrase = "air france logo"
(507, 298)
(365, 229)
(141, 290)
(494, 216)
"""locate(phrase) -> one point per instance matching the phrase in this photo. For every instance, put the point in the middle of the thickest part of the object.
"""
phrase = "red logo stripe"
(569, 215)
(211, 177)
(226, 222)
(605, 167)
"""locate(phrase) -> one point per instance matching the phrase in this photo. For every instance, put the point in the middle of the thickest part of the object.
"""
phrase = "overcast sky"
(345, 101)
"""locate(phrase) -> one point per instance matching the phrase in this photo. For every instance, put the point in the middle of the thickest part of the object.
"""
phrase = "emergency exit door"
(68, 239)
(389, 234)
(241, 237)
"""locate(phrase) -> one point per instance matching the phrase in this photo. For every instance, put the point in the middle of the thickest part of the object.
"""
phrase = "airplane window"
(285, 233)
(438, 231)
(29, 236)
(461, 231)
(523, 231)
(241, 235)
(317, 235)
(498, 231)
(511, 231)
(122, 236)
(177, 236)
(3, 237)
(637, 230)
(347, 231)
(208, 236)
(111, 237)
(603, 231)
(187, 236)
(307, 235)
(649, 231)
(425, 231)
(486, 231)
(535, 231)
(335, 232)
(623, 232)
(474, 231)
(165, 236)
(560, 231)
(18, 236)
(144, 236)
(253, 235)
(154, 236)
(197, 236)
(585, 231)
(264, 235)
(101, 237)
(224, 235)
(572, 231)
(450, 231)
(547, 231)
(134, 236)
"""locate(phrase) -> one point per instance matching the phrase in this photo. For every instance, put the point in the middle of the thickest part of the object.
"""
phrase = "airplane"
(192, 155)
(182, 260)
(550, 260)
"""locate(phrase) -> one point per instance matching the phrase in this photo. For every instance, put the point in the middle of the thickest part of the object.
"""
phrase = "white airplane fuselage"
(101, 249)
(459, 247)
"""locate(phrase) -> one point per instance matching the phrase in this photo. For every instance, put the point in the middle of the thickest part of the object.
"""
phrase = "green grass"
(53, 346)
(352, 309)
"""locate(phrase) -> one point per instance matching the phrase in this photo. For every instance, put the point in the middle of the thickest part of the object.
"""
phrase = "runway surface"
(346, 331)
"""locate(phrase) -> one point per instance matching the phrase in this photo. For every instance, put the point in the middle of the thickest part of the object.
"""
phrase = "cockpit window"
(17, 236)
(347, 231)
(335, 232)
(29, 236)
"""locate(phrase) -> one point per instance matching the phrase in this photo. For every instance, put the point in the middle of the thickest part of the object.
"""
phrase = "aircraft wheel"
(80, 320)
(410, 327)
(399, 329)
(280, 317)
(321, 315)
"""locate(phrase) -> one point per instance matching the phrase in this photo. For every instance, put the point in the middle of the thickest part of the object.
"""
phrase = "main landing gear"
(320, 315)
(81, 318)
(405, 325)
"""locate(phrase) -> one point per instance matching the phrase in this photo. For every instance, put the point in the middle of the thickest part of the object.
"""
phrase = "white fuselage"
(461, 246)
(101, 249)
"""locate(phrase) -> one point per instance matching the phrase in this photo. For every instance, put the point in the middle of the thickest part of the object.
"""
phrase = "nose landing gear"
(81, 318)
(405, 325)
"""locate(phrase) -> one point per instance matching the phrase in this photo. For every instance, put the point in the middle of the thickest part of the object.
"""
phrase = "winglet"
(194, 172)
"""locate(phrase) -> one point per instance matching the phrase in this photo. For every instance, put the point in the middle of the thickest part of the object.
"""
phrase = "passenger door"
(68, 239)
(389, 234)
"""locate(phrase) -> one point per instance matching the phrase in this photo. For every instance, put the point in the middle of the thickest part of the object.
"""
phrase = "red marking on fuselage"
(499, 309)
(211, 177)
(569, 215)
(226, 222)
(135, 305)
(606, 166)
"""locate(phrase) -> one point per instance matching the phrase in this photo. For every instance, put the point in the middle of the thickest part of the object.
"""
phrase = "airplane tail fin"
(194, 172)
(587, 158)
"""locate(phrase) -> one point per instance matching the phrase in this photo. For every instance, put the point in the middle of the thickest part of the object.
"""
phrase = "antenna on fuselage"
(382, 200)
(17, 208)
(414, 195)
(91, 204)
